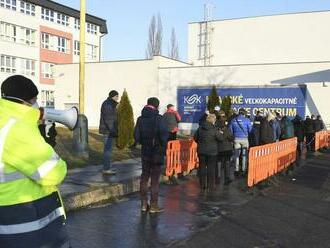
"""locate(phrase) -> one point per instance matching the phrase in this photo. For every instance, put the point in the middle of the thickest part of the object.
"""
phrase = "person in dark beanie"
(172, 119)
(151, 132)
(31, 210)
(109, 128)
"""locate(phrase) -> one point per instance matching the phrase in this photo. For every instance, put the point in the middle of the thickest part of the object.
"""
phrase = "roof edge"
(71, 12)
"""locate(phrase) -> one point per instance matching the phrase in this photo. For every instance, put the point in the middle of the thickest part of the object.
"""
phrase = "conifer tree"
(125, 122)
(213, 100)
(226, 105)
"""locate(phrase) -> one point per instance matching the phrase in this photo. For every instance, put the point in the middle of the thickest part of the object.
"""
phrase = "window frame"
(46, 70)
(27, 8)
(47, 14)
(7, 64)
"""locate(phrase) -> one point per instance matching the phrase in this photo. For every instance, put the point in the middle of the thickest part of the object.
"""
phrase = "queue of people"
(234, 136)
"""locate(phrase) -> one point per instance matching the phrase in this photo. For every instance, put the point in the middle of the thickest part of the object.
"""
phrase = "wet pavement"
(82, 179)
(295, 212)
(122, 224)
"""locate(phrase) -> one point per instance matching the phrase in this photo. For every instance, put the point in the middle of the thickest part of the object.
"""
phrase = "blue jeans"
(107, 141)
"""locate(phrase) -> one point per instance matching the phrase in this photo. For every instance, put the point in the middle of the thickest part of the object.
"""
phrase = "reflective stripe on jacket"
(30, 171)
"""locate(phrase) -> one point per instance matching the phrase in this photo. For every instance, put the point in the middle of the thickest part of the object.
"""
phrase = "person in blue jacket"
(240, 127)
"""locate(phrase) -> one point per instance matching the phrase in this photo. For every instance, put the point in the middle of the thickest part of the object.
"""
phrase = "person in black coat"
(207, 137)
(310, 133)
(267, 130)
(151, 132)
(318, 124)
(254, 135)
(109, 128)
(225, 149)
(299, 132)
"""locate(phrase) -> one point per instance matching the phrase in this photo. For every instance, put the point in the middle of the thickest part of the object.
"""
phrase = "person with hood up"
(172, 119)
(151, 132)
(207, 137)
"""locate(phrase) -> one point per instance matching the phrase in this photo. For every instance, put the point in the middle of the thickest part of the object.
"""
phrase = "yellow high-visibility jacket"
(30, 171)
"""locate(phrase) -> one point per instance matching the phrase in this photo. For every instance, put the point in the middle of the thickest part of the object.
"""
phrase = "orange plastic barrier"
(267, 160)
(321, 139)
(181, 156)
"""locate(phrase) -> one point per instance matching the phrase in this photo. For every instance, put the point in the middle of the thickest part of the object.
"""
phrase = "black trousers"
(207, 164)
(224, 158)
(310, 141)
(150, 170)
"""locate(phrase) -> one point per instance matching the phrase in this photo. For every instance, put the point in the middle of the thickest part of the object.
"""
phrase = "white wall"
(302, 37)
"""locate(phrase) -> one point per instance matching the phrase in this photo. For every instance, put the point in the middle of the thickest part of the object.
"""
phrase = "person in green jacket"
(31, 209)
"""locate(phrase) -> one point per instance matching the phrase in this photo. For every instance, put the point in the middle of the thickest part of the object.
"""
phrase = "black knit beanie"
(153, 101)
(20, 87)
(113, 93)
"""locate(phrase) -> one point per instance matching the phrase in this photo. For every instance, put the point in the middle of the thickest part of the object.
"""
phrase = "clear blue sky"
(128, 20)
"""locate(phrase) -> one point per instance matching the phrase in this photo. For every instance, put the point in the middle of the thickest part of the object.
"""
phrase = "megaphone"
(68, 117)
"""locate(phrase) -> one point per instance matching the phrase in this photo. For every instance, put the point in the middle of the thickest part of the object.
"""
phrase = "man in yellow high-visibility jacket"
(31, 210)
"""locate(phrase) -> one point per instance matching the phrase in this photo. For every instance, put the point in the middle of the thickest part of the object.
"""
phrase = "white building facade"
(35, 35)
(291, 50)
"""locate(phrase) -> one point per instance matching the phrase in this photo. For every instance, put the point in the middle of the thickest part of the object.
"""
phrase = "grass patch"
(95, 140)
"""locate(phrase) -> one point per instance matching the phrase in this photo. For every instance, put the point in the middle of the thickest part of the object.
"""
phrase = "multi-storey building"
(37, 34)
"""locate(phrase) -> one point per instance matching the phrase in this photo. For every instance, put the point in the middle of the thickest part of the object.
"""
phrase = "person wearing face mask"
(31, 210)
(151, 132)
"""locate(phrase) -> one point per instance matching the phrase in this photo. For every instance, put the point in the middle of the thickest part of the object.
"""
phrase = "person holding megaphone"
(31, 210)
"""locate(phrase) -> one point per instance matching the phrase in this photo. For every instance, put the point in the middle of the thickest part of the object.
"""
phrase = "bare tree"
(174, 48)
(155, 37)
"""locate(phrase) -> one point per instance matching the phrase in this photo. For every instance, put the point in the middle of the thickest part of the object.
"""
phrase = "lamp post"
(80, 133)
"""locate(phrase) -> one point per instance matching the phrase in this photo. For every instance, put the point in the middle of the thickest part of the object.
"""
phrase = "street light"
(80, 133)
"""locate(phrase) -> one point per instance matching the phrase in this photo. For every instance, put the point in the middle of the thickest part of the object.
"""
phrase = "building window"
(27, 36)
(47, 14)
(28, 67)
(76, 47)
(45, 40)
(62, 19)
(55, 43)
(28, 8)
(8, 4)
(91, 51)
(47, 70)
(76, 23)
(91, 28)
(63, 45)
(8, 32)
(47, 98)
(7, 64)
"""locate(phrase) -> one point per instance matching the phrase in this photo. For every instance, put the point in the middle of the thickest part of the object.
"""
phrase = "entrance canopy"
(314, 77)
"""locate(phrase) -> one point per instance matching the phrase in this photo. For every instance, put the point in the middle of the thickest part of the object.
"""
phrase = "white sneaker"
(109, 172)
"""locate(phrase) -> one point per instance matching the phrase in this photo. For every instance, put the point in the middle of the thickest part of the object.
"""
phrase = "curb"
(103, 193)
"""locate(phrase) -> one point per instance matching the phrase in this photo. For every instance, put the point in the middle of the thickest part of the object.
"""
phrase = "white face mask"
(35, 105)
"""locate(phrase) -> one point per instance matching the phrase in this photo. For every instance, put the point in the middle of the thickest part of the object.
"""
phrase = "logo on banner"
(193, 99)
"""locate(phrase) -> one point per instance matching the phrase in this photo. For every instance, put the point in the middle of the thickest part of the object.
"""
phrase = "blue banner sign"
(287, 101)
